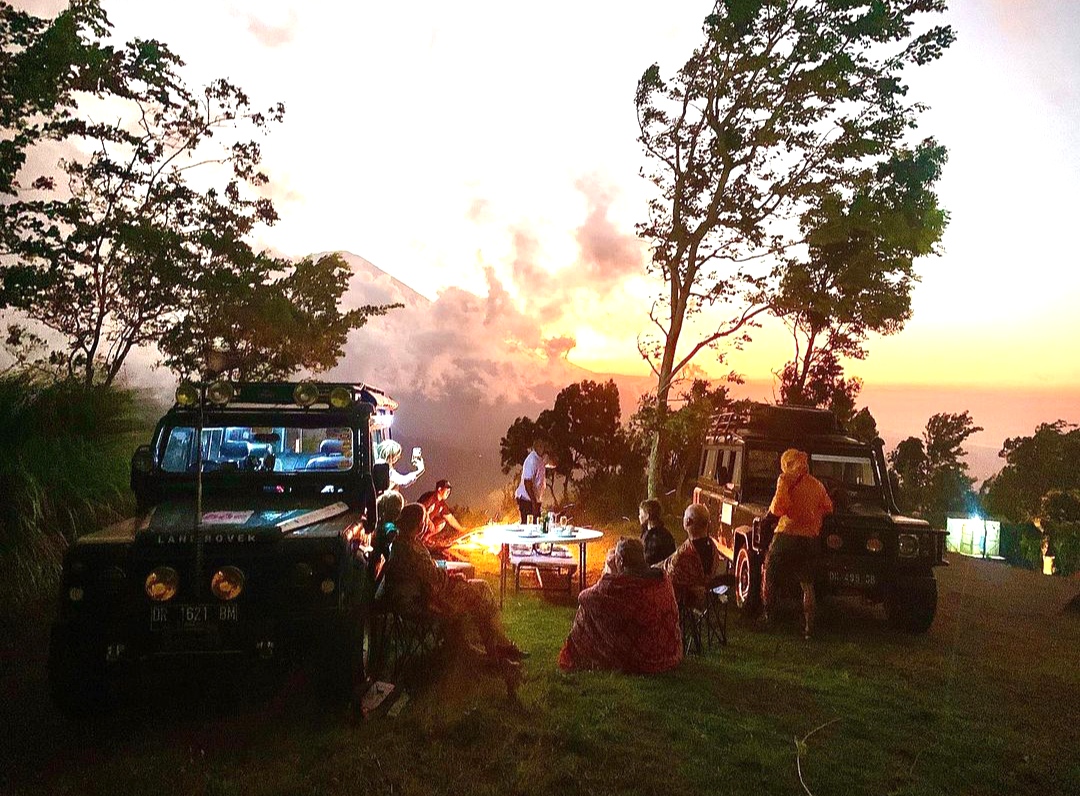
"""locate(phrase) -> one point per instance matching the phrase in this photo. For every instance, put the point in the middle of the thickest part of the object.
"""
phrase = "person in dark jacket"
(657, 540)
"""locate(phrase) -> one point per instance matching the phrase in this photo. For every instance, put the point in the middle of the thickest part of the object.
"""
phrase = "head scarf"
(794, 462)
(793, 465)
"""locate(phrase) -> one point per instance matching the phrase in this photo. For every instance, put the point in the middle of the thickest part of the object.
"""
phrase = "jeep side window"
(762, 467)
(727, 467)
(708, 463)
(735, 467)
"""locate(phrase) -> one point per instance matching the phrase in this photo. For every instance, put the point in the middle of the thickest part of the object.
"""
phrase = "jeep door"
(728, 475)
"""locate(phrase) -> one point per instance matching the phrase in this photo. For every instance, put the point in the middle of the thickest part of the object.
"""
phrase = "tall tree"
(930, 473)
(785, 103)
(857, 274)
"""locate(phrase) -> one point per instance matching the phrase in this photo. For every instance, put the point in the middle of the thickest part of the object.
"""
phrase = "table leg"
(503, 555)
(581, 566)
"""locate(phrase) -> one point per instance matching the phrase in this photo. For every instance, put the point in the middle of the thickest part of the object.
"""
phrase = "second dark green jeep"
(867, 547)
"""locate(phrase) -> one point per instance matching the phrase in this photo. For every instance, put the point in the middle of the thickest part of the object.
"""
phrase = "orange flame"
(483, 538)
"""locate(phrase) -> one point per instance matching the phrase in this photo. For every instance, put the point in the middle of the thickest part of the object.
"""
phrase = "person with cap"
(439, 517)
(801, 503)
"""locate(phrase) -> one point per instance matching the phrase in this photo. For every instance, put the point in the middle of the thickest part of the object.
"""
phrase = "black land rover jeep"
(867, 548)
(252, 502)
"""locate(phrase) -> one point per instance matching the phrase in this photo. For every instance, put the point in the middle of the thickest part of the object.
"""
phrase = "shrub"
(610, 496)
(1066, 544)
(63, 472)
(1021, 545)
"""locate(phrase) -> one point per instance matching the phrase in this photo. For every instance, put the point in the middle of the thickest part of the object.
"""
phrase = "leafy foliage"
(862, 426)
(822, 385)
(130, 251)
(42, 63)
(857, 275)
(261, 319)
(1046, 461)
(514, 447)
(929, 473)
(788, 111)
(685, 430)
(584, 431)
(1040, 486)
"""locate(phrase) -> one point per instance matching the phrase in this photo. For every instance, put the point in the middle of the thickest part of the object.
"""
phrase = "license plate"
(192, 617)
(855, 579)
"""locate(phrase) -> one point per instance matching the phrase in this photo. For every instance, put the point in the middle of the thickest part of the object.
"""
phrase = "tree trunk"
(663, 385)
(656, 452)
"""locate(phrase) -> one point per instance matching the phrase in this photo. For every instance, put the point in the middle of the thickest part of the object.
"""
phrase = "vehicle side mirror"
(142, 466)
(380, 476)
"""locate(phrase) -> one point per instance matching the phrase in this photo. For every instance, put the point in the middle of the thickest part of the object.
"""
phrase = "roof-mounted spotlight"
(220, 393)
(306, 393)
(187, 394)
(340, 398)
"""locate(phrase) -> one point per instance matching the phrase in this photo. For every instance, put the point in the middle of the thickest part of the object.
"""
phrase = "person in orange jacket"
(801, 503)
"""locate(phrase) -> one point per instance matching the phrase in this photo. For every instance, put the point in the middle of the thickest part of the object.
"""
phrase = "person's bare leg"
(768, 584)
(809, 603)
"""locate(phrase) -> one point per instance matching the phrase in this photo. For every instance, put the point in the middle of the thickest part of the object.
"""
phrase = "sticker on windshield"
(226, 517)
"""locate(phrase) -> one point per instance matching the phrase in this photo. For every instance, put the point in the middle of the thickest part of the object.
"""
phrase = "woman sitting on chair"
(413, 583)
(628, 621)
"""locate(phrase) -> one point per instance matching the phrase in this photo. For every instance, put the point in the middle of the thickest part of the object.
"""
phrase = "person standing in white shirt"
(533, 477)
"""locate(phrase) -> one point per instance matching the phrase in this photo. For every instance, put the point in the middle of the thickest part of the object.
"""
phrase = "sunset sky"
(491, 146)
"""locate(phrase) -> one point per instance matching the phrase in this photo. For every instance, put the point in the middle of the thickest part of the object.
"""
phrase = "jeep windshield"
(258, 449)
(849, 476)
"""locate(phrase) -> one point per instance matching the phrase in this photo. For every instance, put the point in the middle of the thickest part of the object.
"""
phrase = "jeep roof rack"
(789, 421)
(795, 420)
(283, 394)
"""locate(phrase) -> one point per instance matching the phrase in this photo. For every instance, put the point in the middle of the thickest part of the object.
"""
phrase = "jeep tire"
(336, 667)
(911, 608)
(77, 675)
(747, 581)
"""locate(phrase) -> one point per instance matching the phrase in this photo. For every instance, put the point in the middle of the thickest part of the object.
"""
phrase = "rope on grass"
(800, 747)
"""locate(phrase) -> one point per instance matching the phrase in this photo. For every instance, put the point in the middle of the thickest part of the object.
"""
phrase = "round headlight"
(340, 397)
(220, 393)
(227, 583)
(874, 545)
(304, 571)
(907, 545)
(187, 394)
(161, 584)
(834, 541)
(306, 393)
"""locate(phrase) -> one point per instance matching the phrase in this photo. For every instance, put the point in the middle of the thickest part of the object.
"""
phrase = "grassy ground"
(987, 702)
